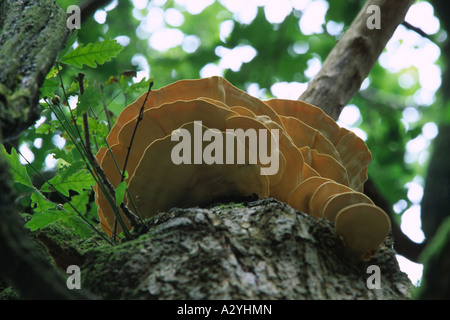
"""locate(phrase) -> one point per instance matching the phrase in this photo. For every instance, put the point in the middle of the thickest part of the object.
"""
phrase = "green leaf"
(99, 130)
(69, 43)
(120, 192)
(45, 212)
(138, 87)
(93, 54)
(79, 226)
(90, 98)
(46, 128)
(18, 171)
(77, 182)
(41, 220)
(61, 154)
(53, 72)
(79, 202)
(40, 203)
(69, 170)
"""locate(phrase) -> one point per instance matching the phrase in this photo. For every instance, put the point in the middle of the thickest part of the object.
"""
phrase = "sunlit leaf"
(93, 54)
(120, 192)
(43, 219)
(46, 128)
(78, 182)
(45, 212)
(89, 99)
(18, 171)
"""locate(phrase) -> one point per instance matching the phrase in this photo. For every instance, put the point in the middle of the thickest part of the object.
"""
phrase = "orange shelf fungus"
(205, 140)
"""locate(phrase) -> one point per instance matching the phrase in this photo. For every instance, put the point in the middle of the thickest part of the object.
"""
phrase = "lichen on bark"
(32, 33)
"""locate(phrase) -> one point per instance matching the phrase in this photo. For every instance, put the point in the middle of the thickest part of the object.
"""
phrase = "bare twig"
(139, 119)
(105, 109)
(132, 218)
(417, 30)
(101, 174)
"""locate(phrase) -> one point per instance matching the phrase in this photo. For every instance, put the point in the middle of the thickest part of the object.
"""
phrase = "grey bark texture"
(259, 250)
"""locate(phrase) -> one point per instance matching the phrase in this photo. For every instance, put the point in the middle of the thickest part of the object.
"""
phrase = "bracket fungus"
(321, 167)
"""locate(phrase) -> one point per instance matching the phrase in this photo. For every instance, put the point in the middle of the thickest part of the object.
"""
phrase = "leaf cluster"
(67, 196)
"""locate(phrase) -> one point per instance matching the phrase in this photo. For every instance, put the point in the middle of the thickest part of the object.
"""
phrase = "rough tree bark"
(263, 249)
(258, 250)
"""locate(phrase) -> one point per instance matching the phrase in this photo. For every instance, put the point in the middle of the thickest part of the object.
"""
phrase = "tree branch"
(351, 60)
(417, 30)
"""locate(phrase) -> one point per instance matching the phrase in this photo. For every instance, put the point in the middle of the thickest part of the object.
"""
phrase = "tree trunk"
(33, 32)
(258, 250)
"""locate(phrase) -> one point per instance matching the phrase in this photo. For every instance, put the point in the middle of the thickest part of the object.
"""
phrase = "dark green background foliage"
(381, 104)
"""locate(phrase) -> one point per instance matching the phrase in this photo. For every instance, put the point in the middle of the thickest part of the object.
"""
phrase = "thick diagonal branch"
(352, 58)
